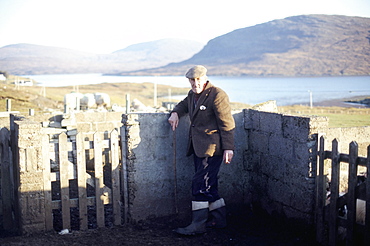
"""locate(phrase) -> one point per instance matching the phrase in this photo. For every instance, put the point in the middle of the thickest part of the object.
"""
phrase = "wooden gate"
(328, 222)
(82, 181)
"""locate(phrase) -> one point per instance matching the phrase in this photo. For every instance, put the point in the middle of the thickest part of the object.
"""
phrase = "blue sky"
(110, 25)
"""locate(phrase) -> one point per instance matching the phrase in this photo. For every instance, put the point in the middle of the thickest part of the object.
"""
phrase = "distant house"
(22, 82)
(2, 77)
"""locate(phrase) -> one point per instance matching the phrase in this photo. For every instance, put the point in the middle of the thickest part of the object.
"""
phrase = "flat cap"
(196, 72)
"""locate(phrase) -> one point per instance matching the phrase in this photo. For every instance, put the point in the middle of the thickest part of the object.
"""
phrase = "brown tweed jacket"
(212, 124)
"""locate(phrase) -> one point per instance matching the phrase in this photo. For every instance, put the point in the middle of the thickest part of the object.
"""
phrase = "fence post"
(6, 179)
(124, 174)
(8, 105)
(99, 182)
(334, 193)
(81, 181)
(64, 181)
(367, 219)
(351, 199)
(321, 194)
(47, 182)
(116, 191)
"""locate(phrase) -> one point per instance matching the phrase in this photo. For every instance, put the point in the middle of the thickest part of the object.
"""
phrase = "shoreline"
(342, 102)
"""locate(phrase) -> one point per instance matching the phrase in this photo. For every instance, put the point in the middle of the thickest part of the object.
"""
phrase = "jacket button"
(192, 125)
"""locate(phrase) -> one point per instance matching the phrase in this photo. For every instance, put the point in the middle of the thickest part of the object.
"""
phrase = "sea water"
(250, 90)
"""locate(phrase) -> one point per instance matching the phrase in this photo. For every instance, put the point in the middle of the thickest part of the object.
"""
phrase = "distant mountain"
(36, 59)
(307, 45)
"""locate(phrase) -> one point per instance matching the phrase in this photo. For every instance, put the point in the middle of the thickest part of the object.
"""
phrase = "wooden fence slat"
(116, 191)
(334, 193)
(6, 183)
(351, 199)
(47, 183)
(355, 191)
(321, 194)
(64, 181)
(99, 179)
(124, 179)
(81, 181)
(367, 218)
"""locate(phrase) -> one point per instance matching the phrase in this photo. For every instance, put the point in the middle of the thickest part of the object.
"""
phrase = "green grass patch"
(338, 116)
(347, 120)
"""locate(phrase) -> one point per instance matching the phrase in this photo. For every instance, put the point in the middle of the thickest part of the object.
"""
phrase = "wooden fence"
(6, 184)
(84, 181)
(329, 225)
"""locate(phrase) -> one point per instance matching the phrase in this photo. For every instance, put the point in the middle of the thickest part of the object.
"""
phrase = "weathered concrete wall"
(272, 166)
(346, 135)
(29, 180)
(278, 158)
(92, 121)
(151, 165)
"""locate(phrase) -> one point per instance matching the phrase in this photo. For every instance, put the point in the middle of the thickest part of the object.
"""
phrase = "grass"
(338, 116)
(348, 120)
(25, 98)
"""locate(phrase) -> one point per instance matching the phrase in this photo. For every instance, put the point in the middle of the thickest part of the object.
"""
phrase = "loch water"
(250, 90)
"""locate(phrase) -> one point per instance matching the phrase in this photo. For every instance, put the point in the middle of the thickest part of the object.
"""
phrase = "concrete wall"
(151, 164)
(346, 135)
(92, 121)
(272, 167)
(279, 160)
(29, 180)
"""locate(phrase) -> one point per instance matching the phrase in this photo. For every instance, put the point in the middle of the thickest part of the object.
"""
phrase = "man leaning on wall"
(211, 142)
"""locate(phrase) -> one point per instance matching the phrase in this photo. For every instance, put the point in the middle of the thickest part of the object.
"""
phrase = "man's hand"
(173, 120)
(228, 156)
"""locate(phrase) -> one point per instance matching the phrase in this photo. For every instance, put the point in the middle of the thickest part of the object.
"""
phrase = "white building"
(22, 82)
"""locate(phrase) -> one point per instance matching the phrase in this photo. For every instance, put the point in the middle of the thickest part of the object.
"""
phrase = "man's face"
(198, 84)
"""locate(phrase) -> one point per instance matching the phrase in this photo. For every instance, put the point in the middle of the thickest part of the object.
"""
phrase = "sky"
(106, 26)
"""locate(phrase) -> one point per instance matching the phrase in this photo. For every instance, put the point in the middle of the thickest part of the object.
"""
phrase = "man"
(211, 141)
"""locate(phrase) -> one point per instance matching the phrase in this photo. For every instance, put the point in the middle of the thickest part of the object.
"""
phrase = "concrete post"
(28, 169)
(128, 103)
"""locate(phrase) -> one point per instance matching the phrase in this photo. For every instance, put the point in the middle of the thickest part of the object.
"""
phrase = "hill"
(37, 59)
(306, 45)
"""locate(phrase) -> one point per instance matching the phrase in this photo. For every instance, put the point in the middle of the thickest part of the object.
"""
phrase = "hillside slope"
(307, 45)
(37, 59)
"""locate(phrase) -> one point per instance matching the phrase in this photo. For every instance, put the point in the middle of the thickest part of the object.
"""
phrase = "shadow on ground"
(247, 229)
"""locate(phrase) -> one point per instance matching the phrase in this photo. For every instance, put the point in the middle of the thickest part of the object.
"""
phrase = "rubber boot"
(217, 214)
(199, 219)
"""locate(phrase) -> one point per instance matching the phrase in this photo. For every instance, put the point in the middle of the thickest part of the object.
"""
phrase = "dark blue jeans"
(205, 179)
